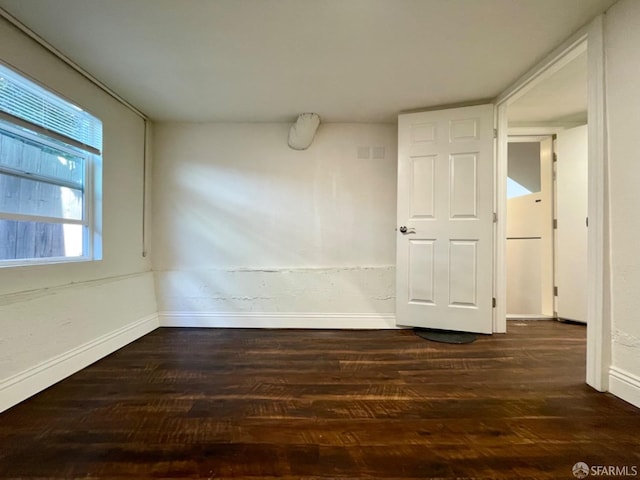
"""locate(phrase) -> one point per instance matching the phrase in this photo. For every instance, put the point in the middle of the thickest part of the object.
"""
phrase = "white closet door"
(571, 240)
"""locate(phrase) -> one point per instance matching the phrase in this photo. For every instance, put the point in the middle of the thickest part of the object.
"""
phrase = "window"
(523, 169)
(50, 159)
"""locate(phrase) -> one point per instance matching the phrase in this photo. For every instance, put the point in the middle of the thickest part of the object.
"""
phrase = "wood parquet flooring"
(325, 404)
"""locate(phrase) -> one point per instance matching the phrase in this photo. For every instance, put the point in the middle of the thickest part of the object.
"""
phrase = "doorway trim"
(589, 37)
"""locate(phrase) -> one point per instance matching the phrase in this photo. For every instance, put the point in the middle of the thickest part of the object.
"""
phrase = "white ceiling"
(268, 60)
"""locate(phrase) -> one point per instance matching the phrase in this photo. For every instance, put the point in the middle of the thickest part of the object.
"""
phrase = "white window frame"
(91, 185)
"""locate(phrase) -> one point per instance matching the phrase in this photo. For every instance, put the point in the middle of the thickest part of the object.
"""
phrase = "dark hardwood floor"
(225, 403)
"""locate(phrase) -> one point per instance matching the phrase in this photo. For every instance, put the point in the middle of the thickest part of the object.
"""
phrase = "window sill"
(45, 261)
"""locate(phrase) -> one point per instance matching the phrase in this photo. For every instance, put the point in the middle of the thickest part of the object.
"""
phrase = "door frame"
(589, 37)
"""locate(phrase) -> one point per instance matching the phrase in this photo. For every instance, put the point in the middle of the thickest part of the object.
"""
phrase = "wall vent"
(377, 152)
(364, 152)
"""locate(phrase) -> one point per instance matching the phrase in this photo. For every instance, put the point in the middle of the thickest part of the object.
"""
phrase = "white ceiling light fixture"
(302, 132)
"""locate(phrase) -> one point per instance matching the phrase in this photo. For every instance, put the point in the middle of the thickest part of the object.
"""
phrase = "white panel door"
(571, 236)
(445, 219)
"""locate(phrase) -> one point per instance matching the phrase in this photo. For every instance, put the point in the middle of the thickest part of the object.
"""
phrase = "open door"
(571, 235)
(445, 219)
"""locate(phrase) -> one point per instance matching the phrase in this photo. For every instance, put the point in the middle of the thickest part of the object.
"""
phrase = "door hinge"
(495, 217)
(555, 291)
(494, 302)
(495, 133)
(555, 157)
(555, 223)
(587, 221)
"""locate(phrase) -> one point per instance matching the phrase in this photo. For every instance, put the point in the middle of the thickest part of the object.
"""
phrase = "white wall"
(245, 227)
(56, 319)
(622, 58)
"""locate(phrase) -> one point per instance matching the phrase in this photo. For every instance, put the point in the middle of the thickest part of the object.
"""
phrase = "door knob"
(404, 230)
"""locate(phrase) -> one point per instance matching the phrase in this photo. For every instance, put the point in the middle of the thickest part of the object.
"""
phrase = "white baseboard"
(624, 385)
(372, 321)
(23, 385)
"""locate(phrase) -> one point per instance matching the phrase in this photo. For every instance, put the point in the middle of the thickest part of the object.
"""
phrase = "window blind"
(33, 104)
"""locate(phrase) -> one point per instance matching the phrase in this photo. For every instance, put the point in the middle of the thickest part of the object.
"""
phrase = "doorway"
(546, 231)
(598, 331)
